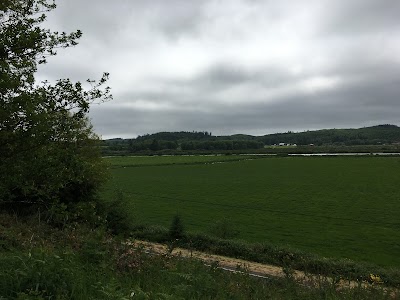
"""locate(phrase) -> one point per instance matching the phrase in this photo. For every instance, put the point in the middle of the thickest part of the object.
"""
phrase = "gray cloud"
(362, 17)
(237, 66)
(221, 76)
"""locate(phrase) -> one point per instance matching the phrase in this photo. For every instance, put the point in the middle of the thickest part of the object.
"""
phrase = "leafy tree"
(47, 145)
(154, 146)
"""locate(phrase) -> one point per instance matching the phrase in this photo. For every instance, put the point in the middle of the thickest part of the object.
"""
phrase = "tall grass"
(85, 263)
(271, 254)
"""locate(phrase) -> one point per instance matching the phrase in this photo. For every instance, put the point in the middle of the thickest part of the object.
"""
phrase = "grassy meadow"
(136, 161)
(343, 207)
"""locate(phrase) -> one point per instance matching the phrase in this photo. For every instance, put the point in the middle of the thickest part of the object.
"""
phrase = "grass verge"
(270, 254)
(38, 261)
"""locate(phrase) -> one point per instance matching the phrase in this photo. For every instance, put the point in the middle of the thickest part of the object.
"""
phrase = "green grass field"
(344, 207)
(135, 161)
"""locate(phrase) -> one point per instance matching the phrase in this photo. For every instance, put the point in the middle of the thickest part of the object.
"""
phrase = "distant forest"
(204, 141)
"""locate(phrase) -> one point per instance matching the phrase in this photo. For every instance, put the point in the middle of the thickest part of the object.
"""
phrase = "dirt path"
(255, 269)
(223, 261)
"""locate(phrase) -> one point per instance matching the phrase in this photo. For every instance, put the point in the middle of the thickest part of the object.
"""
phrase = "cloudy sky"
(234, 66)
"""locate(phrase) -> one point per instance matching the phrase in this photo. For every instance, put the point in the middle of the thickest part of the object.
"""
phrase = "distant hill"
(205, 141)
(375, 135)
(238, 137)
(176, 136)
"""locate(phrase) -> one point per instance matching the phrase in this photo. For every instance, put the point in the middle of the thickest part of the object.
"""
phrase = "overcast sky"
(234, 66)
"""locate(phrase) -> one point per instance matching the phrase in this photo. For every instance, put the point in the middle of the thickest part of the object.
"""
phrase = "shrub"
(48, 149)
(118, 218)
(223, 229)
(176, 230)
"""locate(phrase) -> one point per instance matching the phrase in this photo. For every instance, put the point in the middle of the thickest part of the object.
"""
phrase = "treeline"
(375, 135)
(176, 136)
(132, 146)
(152, 145)
(184, 141)
(154, 142)
(222, 145)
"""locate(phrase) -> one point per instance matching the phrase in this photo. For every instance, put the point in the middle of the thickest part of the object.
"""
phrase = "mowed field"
(346, 207)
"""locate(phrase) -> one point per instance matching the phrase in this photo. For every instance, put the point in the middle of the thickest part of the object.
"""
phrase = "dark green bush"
(115, 212)
(176, 229)
(49, 152)
(223, 229)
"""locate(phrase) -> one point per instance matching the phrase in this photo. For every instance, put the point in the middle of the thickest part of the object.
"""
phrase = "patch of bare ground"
(262, 270)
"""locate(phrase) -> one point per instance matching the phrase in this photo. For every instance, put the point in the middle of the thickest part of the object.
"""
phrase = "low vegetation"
(79, 261)
(288, 258)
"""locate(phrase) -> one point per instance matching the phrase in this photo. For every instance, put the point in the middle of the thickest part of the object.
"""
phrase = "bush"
(176, 230)
(48, 150)
(223, 229)
(117, 216)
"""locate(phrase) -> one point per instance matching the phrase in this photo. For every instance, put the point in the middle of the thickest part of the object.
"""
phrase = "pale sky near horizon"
(234, 66)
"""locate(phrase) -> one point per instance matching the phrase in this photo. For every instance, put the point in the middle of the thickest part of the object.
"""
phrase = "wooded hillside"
(205, 141)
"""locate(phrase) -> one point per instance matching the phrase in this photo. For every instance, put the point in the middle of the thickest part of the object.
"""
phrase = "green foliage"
(289, 259)
(224, 229)
(375, 135)
(176, 136)
(56, 274)
(112, 214)
(47, 145)
(176, 230)
(383, 137)
(90, 213)
(85, 264)
(155, 233)
(222, 145)
(115, 210)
